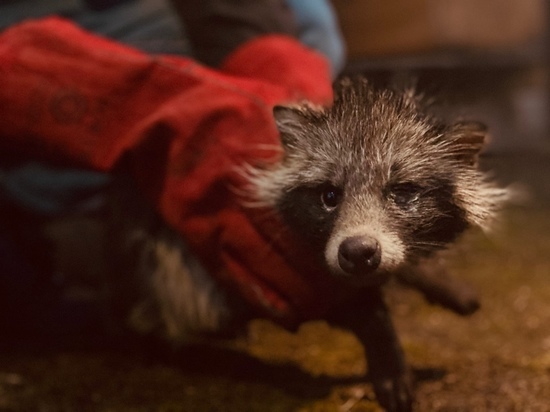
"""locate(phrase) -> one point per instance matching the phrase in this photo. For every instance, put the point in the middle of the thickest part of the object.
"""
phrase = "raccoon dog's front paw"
(394, 394)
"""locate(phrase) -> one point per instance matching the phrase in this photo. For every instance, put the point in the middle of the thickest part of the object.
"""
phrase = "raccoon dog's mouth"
(376, 278)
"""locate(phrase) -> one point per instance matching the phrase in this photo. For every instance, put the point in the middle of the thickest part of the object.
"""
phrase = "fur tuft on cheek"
(263, 187)
(481, 200)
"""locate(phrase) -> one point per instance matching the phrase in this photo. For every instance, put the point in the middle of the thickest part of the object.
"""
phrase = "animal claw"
(394, 395)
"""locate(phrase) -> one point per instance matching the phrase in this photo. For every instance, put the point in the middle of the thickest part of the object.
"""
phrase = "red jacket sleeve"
(181, 129)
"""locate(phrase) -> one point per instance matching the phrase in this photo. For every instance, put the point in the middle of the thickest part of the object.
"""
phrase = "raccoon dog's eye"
(404, 194)
(331, 196)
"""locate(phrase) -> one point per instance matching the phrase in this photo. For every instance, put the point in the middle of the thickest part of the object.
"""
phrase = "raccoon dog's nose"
(359, 255)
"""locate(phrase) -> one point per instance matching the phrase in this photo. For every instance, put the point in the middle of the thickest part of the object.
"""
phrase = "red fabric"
(71, 97)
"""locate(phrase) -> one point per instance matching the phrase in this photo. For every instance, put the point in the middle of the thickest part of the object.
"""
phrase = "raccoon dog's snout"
(359, 255)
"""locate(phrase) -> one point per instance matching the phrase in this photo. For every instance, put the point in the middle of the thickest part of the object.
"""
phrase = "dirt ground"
(496, 360)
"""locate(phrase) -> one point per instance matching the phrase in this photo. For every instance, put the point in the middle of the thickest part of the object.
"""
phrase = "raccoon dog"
(371, 185)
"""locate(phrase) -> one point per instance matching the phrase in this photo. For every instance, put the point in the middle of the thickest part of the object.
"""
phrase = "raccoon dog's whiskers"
(426, 245)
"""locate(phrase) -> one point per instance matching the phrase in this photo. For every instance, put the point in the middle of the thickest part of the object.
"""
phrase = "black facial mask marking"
(311, 211)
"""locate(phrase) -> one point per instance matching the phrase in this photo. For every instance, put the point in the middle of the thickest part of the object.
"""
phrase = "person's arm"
(181, 130)
(215, 28)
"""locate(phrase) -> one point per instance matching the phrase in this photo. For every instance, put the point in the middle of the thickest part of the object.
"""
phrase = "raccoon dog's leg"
(431, 278)
(370, 320)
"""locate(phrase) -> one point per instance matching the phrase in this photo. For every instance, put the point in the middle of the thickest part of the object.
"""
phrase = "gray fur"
(185, 302)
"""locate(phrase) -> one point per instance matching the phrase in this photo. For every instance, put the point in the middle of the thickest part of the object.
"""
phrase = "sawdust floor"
(495, 360)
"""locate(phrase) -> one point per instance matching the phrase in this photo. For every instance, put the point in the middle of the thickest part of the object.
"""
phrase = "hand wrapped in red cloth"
(182, 130)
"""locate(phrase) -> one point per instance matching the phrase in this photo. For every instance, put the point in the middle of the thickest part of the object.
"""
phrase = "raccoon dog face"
(374, 181)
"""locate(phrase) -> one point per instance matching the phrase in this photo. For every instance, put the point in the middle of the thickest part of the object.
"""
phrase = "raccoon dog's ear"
(469, 139)
(289, 121)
